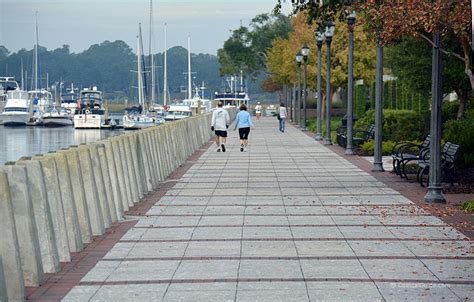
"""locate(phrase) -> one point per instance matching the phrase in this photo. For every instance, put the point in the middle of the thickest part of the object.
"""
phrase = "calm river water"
(28, 141)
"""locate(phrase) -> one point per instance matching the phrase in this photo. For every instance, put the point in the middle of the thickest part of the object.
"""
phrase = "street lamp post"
(299, 59)
(435, 190)
(329, 33)
(319, 43)
(351, 20)
(305, 52)
(378, 164)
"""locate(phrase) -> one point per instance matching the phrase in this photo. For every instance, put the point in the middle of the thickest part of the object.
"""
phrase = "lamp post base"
(349, 151)
(318, 137)
(304, 129)
(435, 195)
(378, 167)
(327, 141)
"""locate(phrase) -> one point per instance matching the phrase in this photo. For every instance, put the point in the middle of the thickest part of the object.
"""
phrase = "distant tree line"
(109, 66)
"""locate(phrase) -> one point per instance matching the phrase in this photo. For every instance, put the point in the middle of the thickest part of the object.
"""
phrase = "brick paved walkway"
(289, 220)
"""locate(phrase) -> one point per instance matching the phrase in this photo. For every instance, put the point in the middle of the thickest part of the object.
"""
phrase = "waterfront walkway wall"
(52, 205)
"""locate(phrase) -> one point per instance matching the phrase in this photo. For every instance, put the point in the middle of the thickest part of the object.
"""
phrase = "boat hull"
(57, 122)
(14, 120)
(137, 125)
(88, 121)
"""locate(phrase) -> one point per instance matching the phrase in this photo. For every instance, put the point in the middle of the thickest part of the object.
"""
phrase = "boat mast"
(139, 67)
(152, 61)
(190, 94)
(165, 78)
(36, 68)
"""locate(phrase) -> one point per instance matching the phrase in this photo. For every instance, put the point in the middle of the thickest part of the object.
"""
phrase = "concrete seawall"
(52, 205)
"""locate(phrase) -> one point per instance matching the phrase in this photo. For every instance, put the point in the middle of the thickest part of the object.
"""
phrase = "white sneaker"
(245, 148)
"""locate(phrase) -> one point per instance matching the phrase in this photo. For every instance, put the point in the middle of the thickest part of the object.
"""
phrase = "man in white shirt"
(258, 110)
(219, 124)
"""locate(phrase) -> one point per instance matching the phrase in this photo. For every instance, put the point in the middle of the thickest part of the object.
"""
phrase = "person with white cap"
(258, 110)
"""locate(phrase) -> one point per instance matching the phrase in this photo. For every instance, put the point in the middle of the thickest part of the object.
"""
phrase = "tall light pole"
(378, 164)
(435, 190)
(319, 43)
(305, 52)
(329, 33)
(351, 20)
(299, 59)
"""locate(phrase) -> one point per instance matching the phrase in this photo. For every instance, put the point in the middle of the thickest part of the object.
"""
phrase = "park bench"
(405, 152)
(449, 155)
(359, 136)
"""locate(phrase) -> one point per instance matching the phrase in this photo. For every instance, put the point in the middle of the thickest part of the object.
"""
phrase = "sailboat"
(136, 118)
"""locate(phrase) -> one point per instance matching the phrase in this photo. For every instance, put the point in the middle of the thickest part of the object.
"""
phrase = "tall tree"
(247, 46)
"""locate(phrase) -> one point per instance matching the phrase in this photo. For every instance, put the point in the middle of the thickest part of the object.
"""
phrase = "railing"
(52, 205)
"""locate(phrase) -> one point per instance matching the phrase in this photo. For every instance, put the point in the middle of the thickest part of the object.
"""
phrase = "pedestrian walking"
(243, 121)
(219, 124)
(258, 110)
(282, 116)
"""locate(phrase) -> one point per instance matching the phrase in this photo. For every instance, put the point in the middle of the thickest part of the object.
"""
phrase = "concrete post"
(113, 162)
(107, 182)
(126, 174)
(3, 286)
(378, 164)
(136, 164)
(25, 223)
(42, 213)
(120, 165)
(56, 206)
(131, 170)
(69, 204)
(435, 190)
(79, 193)
(143, 159)
(92, 197)
(9, 248)
(100, 185)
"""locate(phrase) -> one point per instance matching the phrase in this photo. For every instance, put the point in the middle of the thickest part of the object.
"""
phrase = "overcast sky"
(81, 23)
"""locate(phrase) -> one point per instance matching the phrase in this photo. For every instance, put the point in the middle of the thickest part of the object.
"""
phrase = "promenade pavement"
(288, 220)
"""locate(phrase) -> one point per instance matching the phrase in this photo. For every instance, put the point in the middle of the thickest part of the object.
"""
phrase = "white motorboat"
(69, 100)
(57, 118)
(91, 113)
(16, 111)
(177, 112)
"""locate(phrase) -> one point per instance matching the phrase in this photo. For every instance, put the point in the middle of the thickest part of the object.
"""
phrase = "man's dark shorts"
(221, 133)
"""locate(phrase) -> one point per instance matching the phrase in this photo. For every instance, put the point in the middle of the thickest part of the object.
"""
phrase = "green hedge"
(461, 132)
(399, 125)
(387, 146)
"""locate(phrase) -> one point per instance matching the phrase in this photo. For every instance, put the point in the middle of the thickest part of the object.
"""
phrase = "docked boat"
(177, 112)
(232, 96)
(57, 118)
(69, 100)
(138, 117)
(16, 111)
(90, 113)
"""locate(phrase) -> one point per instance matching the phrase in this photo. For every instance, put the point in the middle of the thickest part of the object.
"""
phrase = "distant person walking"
(219, 124)
(258, 110)
(243, 121)
(282, 116)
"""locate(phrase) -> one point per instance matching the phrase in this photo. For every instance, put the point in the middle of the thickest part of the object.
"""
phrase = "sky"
(81, 23)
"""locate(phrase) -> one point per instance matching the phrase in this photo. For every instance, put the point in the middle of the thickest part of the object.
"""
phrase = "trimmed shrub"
(461, 132)
(398, 125)
(468, 206)
(368, 147)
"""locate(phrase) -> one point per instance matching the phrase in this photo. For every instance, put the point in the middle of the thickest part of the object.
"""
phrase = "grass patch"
(468, 206)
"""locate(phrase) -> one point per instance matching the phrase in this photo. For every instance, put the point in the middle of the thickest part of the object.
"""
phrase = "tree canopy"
(247, 47)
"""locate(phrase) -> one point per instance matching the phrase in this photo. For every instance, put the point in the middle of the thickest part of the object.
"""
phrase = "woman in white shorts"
(258, 110)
